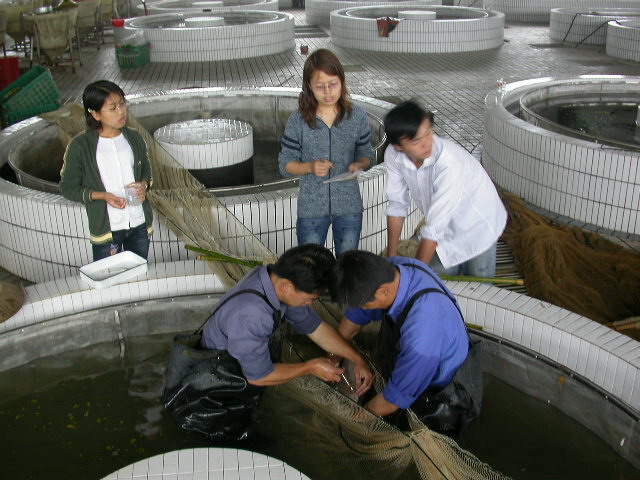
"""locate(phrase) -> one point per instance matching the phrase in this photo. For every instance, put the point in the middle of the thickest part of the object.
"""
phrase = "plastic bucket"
(9, 70)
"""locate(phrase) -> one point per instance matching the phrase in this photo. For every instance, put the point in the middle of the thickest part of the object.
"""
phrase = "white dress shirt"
(463, 211)
(115, 162)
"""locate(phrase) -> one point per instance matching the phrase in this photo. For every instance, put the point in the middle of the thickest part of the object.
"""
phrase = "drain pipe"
(637, 134)
(603, 24)
(569, 29)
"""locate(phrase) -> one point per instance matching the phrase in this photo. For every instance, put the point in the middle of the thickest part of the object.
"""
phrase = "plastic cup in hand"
(131, 190)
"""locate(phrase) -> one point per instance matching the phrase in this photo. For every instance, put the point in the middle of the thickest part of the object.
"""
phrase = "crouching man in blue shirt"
(423, 346)
(248, 326)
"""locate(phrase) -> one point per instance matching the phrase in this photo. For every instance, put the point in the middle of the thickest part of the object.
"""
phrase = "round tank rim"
(631, 23)
(484, 13)
(513, 91)
(163, 6)
(191, 123)
(598, 12)
(269, 17)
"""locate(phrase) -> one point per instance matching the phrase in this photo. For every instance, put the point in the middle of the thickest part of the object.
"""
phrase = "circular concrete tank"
(585, 26)
(318, 11)
(574, 172)
(217, 151)
(623, 39)
(536, 347)
(181, 37)
(454, 29)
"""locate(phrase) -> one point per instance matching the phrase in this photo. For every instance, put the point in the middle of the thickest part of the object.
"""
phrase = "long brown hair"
(326, 61)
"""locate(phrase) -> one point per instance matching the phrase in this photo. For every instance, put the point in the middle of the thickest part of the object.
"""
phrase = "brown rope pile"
(11, 299)
(573, 268)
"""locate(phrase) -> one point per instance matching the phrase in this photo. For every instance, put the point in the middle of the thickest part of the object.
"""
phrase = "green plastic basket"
(130, 56)
(15, 116)
(33, 89)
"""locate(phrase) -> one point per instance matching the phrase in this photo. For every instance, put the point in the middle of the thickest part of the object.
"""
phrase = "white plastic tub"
(112, 270)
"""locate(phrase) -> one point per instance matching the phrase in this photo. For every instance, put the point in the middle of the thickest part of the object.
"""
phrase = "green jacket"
(80, 176)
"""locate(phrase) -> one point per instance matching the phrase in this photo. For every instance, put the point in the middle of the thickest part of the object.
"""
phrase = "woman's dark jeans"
(135, 240)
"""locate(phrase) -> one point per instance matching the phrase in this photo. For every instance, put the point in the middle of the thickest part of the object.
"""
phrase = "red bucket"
(9, 70)
(117, 22)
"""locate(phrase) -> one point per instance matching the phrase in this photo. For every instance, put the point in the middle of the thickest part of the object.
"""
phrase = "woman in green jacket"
(107, 169)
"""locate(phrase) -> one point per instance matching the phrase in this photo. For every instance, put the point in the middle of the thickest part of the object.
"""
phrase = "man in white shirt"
(464, 214)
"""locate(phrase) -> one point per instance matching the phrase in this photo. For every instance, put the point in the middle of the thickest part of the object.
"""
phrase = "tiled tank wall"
(603, 356)
(623, 40)
(231, 41)
(44, 236)
(470, 30)
(538, 11)
(172, 6)
(574, 25)
(70, 295)
(578, 179)
(317, 11)
(208, 463)
(208, 143)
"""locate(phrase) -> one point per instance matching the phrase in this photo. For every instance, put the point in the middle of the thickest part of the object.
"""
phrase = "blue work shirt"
(433, 339)
(242, 325)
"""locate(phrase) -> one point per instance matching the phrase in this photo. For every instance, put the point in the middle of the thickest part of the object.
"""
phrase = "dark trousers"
(134, 240)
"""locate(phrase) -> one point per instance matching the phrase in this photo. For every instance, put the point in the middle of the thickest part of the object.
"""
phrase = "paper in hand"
(342, 177)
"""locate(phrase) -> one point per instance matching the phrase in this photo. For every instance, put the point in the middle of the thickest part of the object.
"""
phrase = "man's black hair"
(307, 266)
(357, 275)
(404, 120)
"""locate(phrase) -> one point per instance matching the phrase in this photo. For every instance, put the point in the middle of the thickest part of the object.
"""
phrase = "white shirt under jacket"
(115, 162)
(463, 211)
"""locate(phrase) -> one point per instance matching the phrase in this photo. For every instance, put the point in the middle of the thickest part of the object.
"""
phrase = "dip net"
(353, 439)
(355, 442)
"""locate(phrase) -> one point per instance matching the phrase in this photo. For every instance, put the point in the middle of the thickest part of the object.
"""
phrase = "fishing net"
(184, 205)
(11, 299)
(574, 268)
(354, 441)
(329, 418)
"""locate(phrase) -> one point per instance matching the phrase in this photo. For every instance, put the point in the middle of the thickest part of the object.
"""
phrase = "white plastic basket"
(112, 270)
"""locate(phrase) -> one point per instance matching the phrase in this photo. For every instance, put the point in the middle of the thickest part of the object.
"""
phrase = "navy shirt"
(242, 325)
(433, 339)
